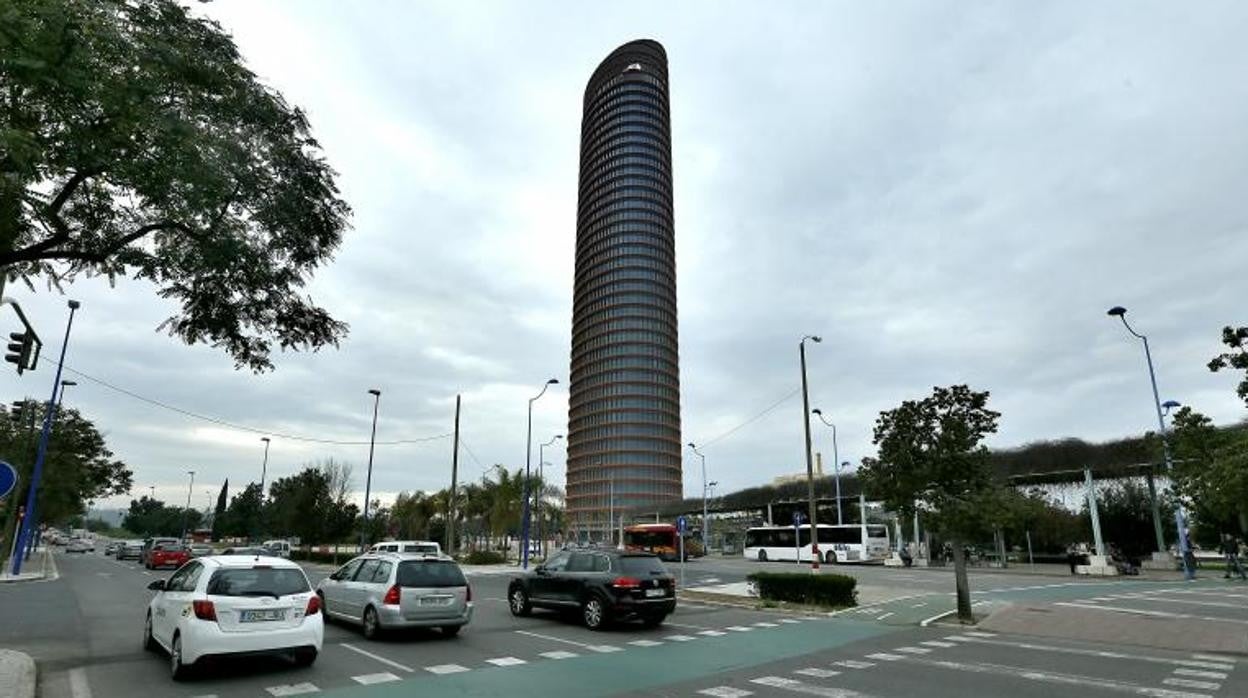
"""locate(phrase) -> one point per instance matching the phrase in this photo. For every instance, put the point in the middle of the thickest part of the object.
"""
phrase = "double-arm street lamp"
(264, 465)
(368, 481)
(541, 479)
(836, 464)
(706, 524)
(810, 467)
(528, 459)
(186, 512)
(1179, 516)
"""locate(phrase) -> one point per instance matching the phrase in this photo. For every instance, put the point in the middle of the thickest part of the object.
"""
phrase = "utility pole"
(810, 466)
(450, 505)
(187, 511)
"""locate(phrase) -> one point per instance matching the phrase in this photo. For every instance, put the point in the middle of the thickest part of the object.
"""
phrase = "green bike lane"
(638, 669)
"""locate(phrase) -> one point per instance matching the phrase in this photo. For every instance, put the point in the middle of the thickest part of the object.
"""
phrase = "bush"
(484, 557)
(813, 589)
(317, 556)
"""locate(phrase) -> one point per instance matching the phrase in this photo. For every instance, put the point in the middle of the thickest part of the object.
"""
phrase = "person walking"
(1230, 550)
(1072, 557)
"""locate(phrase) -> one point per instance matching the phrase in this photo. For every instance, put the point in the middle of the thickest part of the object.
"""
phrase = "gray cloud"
(945, 193)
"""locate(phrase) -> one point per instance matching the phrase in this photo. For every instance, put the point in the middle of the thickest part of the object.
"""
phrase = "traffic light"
(20, 346)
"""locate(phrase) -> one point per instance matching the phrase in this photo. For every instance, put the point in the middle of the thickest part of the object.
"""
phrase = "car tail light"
(204, 610)
(392, 596)
(314, 606)
(469, 593)
(626, 583)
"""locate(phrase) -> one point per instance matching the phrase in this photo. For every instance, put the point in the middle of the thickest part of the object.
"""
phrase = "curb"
(47, 573)
(17, 674)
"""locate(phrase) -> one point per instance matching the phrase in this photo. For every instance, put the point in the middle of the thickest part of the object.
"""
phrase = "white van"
(427, 547)
(278, 548)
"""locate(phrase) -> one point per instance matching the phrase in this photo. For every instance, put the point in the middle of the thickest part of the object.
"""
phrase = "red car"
(167, 555)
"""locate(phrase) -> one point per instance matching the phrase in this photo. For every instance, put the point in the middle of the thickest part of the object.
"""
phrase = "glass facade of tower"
(624, 446)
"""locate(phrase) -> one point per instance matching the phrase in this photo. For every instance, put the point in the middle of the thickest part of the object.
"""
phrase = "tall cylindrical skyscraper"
(624, 446)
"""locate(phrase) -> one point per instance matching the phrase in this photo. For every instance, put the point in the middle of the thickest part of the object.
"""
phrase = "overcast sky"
(947, 193)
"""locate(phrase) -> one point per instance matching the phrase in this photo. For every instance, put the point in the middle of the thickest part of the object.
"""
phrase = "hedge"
(483, 557)
(317, 556)
(813, 589)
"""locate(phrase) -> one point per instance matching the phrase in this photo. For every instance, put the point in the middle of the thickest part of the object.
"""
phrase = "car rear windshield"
(258, 581)
(426, 548)
(641, 566)
(170, 547)
(430, 573)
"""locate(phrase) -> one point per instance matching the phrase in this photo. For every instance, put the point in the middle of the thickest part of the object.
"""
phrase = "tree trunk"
(963, 586)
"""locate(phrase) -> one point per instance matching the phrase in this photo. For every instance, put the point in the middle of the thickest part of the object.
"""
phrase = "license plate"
(656, 592)
(259, 616)
(435, 601)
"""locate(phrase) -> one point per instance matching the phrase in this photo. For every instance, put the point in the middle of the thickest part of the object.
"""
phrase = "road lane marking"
(853, 664)
(809, 689)
(370, 679)
(1104, 654)
(559, 654)
(884, 616)
(604, 649)
(686, 625)
(918, 605)
(938, 643)
(789, 621)
(885, 656)
(973, 633)
(1190, 602)
(506, 661)
(725, 692)
(712, 633)
(1188, 683)
(679, 638)
(765, 624)
(446, 669)
(645, 643)
(294, 689)
(1214, 658)
(552, 638)
(376, 657)
(817, 672)
(739, 628)
(1200, 674)
(912, 650)
(78, 686)
(1054, 677)
(1158, 614)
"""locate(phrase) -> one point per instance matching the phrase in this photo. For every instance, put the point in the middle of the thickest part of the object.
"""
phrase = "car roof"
(386, 555)
(246, 561)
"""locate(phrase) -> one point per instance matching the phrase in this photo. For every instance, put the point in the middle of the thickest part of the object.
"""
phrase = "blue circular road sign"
(798, 518)
(680, 523)
(8, 478)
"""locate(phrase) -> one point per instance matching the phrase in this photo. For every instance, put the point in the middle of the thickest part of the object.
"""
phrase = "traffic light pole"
(32, 493)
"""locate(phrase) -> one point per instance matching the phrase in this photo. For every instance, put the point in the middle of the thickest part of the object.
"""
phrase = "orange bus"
(660, 539)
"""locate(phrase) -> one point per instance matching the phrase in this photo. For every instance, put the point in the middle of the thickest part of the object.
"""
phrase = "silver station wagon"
(389, 591)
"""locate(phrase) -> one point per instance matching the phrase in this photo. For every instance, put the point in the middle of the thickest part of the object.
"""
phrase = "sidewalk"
(1056, 570)
(17, 675)
(1180, 634)
(39, 566)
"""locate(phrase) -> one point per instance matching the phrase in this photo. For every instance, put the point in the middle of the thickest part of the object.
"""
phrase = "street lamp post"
(28, 523)
(541, 478)
(186, 512)
(836, 465)
(810, 466)
(368, 480)
(706, 524)
(528, 459)
(1179, 516)
(264, 465)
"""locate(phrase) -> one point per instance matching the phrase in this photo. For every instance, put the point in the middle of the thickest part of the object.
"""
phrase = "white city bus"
(846, 543)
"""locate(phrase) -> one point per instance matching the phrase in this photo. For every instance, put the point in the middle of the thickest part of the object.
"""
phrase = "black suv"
(603, 585)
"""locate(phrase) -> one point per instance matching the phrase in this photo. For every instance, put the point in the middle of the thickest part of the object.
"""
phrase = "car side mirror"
(158, 585)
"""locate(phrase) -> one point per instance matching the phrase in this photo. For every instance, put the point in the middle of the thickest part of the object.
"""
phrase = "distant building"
(624, 445)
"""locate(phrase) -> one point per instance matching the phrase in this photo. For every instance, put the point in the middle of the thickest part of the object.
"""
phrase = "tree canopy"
(151, 517)
(1236, 357)
(1211, 469)
(135, 142)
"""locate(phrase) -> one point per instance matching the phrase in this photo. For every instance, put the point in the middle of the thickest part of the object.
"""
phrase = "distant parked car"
(407, 546)
(277, 548)
(149, 543)
(80, 545)
(130, 550)
(603, 585)
(200, 549)
(167, 555)
(221, 606)
(110, 548)
(244, 550)
(385, 591)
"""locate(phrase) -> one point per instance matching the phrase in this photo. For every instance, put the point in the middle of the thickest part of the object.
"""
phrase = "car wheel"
(653, 621)
(519, 602)
(451, 630)
(594, 613)
(762, 556)
(305, 658)
(830, 557)
(177, 669)
(372, 626)
(149, 642)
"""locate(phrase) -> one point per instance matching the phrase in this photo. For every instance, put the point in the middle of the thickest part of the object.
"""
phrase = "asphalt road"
(84, 630)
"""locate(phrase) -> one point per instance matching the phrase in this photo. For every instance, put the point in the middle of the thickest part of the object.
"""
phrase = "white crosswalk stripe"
(505, 661)
(739, 628)
(446, 669)
(765, 624)
(292, 689)
(645, 643)
(712, 633)
(370, 679)
(604, 649)
(817, 672)
(789, 621)
(853, 664)
(559, 654)
(808, 689)
(912, 650)
(938, 643)
(679, 638)
(1215, 658)
(884, 656)
(1200, 674)
(1190, 683)
(725, 692)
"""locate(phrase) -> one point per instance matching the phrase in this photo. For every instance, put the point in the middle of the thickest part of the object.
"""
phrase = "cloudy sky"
(946, 193)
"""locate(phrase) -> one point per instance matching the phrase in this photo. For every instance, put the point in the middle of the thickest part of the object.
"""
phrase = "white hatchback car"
(227, 605)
